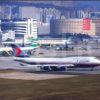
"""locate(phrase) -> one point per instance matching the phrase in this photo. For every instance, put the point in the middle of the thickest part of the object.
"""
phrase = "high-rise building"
(97, 26)
(23, 28)
(29, 12)
(0, 32)
(95, 15)
(44, 29)
(5, 12)
(41, 14)
(79, 26)
(48, 14)
(15, 12)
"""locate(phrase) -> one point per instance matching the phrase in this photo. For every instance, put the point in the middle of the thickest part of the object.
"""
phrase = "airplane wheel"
(54, 68)
(46, 68)
(62, 69)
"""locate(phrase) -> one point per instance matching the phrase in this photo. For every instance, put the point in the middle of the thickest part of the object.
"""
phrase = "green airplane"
(34, 42)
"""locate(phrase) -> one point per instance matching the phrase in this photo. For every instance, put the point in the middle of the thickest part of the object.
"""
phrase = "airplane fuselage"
(76, 61)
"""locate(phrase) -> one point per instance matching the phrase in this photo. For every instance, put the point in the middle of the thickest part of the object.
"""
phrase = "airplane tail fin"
(18, 52)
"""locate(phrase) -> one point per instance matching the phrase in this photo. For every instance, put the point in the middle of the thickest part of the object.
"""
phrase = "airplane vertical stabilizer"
(18, 52)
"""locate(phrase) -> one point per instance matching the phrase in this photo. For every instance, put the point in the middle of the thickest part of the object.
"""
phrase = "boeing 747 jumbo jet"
(83, 62)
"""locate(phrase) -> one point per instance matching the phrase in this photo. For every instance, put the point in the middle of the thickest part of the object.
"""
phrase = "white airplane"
(84, 62)
(9, 51)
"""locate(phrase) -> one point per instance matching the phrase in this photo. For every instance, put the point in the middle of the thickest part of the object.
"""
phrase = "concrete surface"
(32, 76)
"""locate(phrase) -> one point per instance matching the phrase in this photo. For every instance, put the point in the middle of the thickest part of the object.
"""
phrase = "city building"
(8, 36)
(41, 14)
(23, 28)
(15, 12)
(0, 32)
(43, 28)
(29, 12)
(5, 12)
(95, 14)
(79, 26)
(97, 26)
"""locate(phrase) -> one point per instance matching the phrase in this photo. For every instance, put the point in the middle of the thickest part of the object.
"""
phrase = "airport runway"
(33, 76)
